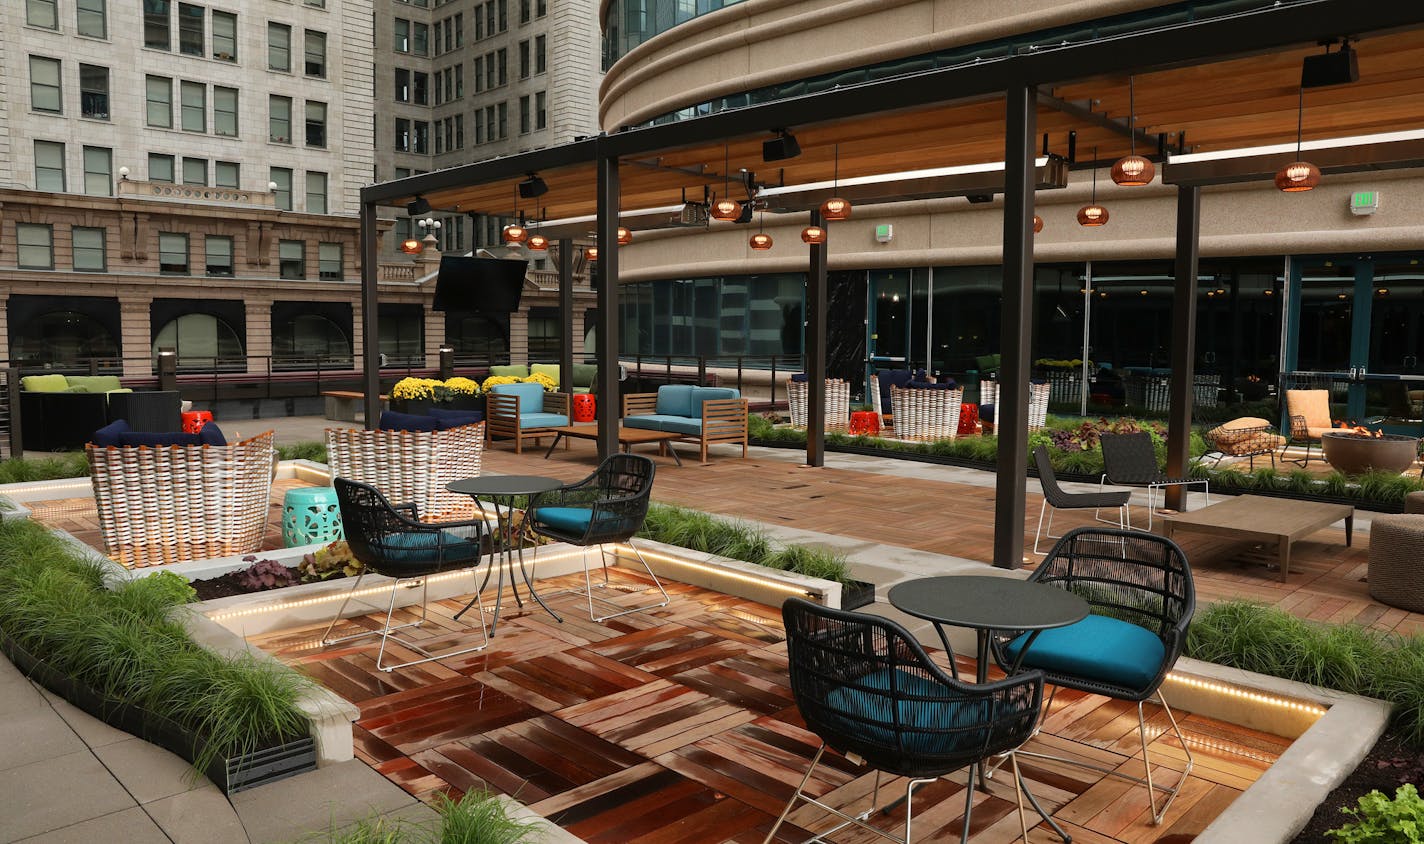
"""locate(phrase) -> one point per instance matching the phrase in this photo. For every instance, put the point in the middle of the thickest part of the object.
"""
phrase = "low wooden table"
(627, 437)
(1254, 517)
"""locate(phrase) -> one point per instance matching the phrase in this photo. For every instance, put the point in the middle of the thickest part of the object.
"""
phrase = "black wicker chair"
(1130, 460)
(391, 541)
(1140, 589)
(1058, 498)
(607, 506)
(868, 690)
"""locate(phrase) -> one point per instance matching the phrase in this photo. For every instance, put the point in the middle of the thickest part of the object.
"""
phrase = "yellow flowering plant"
(407, 389)
(496, 380)
(545, 381)
(462, 386)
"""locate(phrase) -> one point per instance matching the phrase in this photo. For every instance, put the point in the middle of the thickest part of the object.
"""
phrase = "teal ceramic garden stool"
(309, 515)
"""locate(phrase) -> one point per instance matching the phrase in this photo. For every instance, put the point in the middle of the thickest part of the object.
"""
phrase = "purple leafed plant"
(265, 574)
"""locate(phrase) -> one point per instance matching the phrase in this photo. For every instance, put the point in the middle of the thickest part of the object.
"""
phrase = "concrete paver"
(148, 771)
(130, 826)
(279, 812)
(57, 792)
(200, 816)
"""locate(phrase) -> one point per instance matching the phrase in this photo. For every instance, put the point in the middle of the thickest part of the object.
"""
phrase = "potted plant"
(415, 395)
(462, 394)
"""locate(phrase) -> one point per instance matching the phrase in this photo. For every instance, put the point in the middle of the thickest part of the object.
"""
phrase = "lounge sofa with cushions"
(523, 411)
(61, 411)
(584, 373)
(703, 415)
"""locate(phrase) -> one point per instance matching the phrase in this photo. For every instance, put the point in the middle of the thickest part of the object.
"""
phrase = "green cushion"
(1096, 648)
(584, 374)
(676, 400)
(75, 389)
(517, 370)
(549, 369)
(44, 383)
(96, 383)
(988, 363)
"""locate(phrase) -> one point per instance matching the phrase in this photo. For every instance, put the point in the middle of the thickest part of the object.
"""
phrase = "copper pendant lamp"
(1093, 214)
(761, 241)
(1299, 175)
(836, 208)
(1132, 170)
(726, 209)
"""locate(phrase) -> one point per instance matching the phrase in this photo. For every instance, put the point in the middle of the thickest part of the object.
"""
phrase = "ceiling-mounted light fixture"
(515, 233)
(537, 243)
(412, 246)
(625, 236)
(836, 208)
(416, 207)
(1298, 175)
(780, 148)
(591, 253)
(761, 241)
(1037, 224)
(532, 187)
(726, 208)
(1093, 214)
(1132, 170)
(814, 234)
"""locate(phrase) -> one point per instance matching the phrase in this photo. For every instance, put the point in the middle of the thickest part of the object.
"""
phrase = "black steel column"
(607, 351)
(566, 314)
(816, 352)
(1011, 409)
(1184, 340)
(370, 321)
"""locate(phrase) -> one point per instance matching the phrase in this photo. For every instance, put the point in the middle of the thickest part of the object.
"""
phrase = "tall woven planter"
(411, 466)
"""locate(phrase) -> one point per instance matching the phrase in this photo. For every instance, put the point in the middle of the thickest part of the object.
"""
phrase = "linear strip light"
(1254, 697)
(1290, 148)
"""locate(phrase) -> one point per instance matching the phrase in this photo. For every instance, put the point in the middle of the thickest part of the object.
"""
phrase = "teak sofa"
(703, 415)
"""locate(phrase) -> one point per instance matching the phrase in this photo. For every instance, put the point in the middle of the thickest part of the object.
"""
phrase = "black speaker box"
(1337, 68)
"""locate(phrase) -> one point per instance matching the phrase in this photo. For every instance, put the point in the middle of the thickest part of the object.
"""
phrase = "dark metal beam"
(370, 318)
(607, 338)
(1016, 332)
(816, 352)
(1086, 114)
(566, 316)
(1184, 337)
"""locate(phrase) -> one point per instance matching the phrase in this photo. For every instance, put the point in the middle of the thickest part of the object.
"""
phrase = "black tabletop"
(988, 603)
(504, 485)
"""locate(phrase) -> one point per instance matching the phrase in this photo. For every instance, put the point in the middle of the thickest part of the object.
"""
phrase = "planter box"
(856, 594)
(464, 402)
(418, 407)
(275, 761)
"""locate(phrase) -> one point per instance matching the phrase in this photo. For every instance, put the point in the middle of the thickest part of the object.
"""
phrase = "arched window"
(202, 341)
(306, 339)
(62, 338)
(474, 335)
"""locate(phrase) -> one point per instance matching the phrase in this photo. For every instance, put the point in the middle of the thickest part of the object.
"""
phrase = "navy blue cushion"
(1038, 381)
(109, 434)
(425, 547)
(571, 519)
(927, 726)
(888, 378)
(447, 419)
(986, 412)
(211, 434)
(393, 421)
(1096, 648)
(157, 438)
(950, 384)
(799, 378)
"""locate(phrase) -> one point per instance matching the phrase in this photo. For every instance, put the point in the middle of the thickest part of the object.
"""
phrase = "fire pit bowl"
(1355, 454)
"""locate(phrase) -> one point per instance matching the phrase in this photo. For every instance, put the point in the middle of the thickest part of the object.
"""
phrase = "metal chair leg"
(588, 585)
(1157, 815)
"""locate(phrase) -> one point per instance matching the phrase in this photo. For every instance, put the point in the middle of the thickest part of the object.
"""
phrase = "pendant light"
(625, 237)
(591, 253)
(1093, 214)
(761, 241)
(515, 232)
(814, 234)
(1037, 224)
(1298, 175)
(536, 242)
(726, 208)
(412, 246)
(836, 208)
(1132, 170)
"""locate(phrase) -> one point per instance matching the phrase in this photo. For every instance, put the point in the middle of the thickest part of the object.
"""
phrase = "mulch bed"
(1390, 764)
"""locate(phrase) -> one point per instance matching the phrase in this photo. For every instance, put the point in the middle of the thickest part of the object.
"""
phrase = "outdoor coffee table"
(497, 489)
(627, 437)
(1257, 518)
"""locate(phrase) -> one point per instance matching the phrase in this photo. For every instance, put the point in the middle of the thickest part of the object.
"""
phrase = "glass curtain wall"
(752, 317)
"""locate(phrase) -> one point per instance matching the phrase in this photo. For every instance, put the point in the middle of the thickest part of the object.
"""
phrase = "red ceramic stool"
(968, 419)
(194, 420)
(865, 422)
(584, 407)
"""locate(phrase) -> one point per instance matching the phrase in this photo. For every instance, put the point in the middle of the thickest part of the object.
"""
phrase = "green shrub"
(479, 817)
(1380, 820)
(313, 451)
(706, 533)
(68, 465)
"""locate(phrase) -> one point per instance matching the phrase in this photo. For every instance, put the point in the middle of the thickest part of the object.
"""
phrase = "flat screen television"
(488, 285)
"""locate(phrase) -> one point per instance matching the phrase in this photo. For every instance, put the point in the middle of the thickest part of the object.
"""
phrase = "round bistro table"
(502, 490)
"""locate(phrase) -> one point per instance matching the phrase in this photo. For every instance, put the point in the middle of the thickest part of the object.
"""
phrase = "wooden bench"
(344, 405)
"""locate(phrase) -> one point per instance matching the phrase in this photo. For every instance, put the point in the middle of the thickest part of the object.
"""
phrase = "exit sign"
(1364, 202)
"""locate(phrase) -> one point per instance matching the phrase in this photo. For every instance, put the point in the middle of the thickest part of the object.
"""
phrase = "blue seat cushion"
(1096, 648)
(531, 396)
(676, 400)
(680, 425)
(154, 438)
(702, 394)
(799, 378)
(927, 726)
(571, 519)
(109, 434)
(542, 420)
(395, 421)
(425, 547)
(647, 421)
(986, 412)
(211, 434)
(887, 378)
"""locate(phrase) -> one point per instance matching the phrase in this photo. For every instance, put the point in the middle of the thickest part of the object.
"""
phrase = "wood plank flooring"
(677, 725)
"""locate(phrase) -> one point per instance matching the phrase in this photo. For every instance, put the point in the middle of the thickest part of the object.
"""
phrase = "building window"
(422, 138)
(195, 171)
(525, 121)
(459, 131)
(279, 47)
(91, 18)
(541, 58)
(503, 15)
(44, 85)
(315, 4)
(218, 253)
(282, 194)
(36, 246)
(193, 105)
(98, 171)
(503, 120)
(157, 34)
(420, 39)
(49, 166)
(89, 256)
(402, 135)
(479, 75)
(402, 85)
(459, 30)
(526, 12)
(329, 261)
(479, 127)
(402, 36)
(224, 36)
(422, 88)
(489, 18)
(316, 53)
(291, 258)
(316, 124)
(172, 253)
(159, 94)
(540, 120)
(225, 112)
(316, 192)
(503, 66)
(190, 29)
(279, 120)
(543, 8)
(43, 13)
(160, 167)
(459, 74)
(226, 174)
(524, 64)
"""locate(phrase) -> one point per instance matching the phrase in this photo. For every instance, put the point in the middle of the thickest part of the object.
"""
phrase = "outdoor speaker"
(780, 148)
(1338, 68)
(487, 285)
